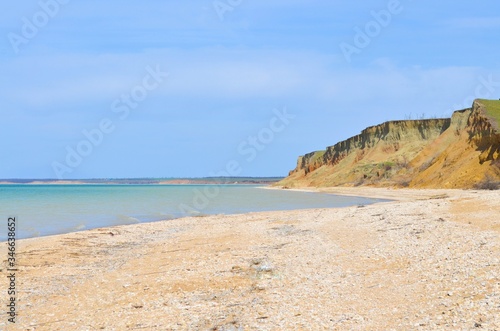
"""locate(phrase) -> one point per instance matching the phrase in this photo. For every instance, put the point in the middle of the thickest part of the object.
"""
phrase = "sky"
(94, 89)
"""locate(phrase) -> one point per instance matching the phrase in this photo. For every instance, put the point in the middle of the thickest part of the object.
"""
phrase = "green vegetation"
(492, 109)
(317, 155)
(387, 165)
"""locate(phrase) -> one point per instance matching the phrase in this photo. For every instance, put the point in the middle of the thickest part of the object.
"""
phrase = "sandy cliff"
(456, 152)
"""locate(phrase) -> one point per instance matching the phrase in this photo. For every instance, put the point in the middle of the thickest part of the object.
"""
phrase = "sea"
(42, 210)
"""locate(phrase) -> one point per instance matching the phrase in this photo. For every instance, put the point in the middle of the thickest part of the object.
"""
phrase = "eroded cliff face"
(310, 162)
(463, 156)
(389, 135)
(451, 152)
(483, 133)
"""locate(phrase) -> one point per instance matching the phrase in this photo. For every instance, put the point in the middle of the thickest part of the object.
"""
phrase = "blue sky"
(230, 84)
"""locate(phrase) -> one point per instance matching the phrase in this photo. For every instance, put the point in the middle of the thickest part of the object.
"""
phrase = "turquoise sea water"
(52, 209)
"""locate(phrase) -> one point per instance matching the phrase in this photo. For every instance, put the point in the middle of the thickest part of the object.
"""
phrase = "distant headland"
(149, 181)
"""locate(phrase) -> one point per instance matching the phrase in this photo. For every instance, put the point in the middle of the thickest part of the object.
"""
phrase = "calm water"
(52, 209)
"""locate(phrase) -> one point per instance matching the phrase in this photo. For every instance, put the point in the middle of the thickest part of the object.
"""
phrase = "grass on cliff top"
(317, 155)
(492, 109)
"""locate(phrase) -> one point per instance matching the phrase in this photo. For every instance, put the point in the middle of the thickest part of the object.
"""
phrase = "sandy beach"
(428, 261)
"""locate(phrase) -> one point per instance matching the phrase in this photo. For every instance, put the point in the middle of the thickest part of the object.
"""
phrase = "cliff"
(456, 152)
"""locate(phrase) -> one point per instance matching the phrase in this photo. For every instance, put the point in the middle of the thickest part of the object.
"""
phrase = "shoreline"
(396, 194)
(389, 194)
(84, 228)
(429, 262)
